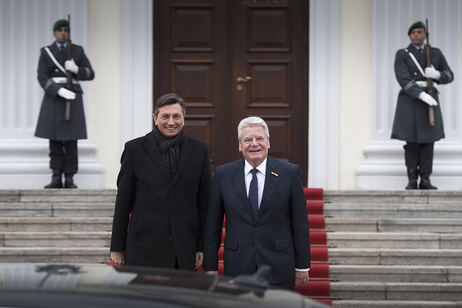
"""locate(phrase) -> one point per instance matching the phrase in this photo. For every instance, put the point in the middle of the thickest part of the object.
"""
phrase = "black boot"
(69, 181)
(56, 181)
(412, 175)
(425, 182)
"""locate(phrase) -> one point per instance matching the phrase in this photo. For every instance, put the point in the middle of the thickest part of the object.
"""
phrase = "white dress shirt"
(260, 177)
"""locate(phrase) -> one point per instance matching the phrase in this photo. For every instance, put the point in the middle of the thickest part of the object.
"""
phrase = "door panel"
(230, 59)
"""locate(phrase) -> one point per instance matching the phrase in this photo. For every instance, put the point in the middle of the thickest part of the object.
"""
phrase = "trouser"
(419, 156)
(64, 156)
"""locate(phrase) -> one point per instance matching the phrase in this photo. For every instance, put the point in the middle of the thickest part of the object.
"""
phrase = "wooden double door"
(230, 59)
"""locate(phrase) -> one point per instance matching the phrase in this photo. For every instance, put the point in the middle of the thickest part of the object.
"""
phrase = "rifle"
(431, 115)
(67, 114)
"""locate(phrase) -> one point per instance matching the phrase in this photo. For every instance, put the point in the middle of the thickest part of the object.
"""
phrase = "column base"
(384, 168)
(24, 164)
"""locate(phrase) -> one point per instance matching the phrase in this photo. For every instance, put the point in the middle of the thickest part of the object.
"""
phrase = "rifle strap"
(52, 57)
(415, 61)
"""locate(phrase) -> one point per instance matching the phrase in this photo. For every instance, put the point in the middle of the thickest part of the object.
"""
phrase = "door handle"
(246, 79)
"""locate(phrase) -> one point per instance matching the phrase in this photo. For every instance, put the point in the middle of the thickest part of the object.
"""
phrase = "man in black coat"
(163, 189)
(63, 133)
(265, 207)
(411, 122)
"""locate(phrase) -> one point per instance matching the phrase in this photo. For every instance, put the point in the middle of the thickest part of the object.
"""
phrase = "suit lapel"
(239, 186)
(270, 183)
(153, 151)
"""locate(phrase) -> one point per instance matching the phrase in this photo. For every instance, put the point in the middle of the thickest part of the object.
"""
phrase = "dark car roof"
(87, 285)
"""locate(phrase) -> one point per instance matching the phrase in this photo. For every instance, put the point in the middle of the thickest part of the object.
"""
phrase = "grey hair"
(251, 121)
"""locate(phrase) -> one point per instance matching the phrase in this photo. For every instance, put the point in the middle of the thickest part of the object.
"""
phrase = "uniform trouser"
(420, 156)
(64, 156)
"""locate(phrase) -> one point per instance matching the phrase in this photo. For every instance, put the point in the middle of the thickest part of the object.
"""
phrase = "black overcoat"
(167, 215)
(411, 121)
(51, 122)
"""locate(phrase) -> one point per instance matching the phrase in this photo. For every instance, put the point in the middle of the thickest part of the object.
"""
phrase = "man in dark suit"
(411, 122)
(265, 208)
(163, 190)
(63, 134)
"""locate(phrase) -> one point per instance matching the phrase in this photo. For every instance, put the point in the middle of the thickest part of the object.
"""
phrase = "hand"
(65, 93)
(428, 99)
(430, 72)
(301, 277)
(70, 65)
(199, 259)
(117, 257)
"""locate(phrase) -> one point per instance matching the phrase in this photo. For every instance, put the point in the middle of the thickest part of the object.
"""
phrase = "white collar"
(261, 167)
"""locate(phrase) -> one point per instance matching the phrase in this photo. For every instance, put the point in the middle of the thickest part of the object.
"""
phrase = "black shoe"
(56, 181)
(425, 184)
(69, 182)
(412, 175)
(412, 184)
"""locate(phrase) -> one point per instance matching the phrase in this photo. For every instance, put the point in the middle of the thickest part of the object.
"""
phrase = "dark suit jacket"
(167, 215)
(278, 237)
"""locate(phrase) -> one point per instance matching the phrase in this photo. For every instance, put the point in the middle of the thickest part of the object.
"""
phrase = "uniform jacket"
(411, 122)
(51, 122)
(278, 237)
(167, 214)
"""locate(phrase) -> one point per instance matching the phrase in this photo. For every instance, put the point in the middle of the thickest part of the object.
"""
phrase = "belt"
(423, 84)
(63, 80)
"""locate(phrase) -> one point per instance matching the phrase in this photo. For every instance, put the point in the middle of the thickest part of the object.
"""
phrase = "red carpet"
(318, 286)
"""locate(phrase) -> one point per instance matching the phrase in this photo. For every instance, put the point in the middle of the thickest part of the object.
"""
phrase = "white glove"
(65, 93)
(71, 66)
(430, 72)
(428, 99)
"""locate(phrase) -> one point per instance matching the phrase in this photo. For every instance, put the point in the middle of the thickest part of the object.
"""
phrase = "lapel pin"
(275, 174)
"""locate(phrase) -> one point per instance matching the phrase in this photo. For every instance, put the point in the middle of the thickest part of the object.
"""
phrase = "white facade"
(352, 88)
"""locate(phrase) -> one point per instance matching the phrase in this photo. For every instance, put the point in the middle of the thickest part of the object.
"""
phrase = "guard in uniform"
(411, 122)
(53, 69)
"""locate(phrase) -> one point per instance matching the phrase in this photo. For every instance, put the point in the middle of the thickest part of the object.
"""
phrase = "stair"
(55, 225)
(387, 248)
(395, 248)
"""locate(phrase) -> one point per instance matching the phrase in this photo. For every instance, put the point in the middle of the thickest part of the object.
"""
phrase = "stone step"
(394, 240)
(58, 196)
(393, 196)
(394, 304)
(396, 291)
(396, 273)
(363, 256)
(377, 209)
(361, 224)
(76, 209)
(54, 255)
(54, 224)
(55, 239)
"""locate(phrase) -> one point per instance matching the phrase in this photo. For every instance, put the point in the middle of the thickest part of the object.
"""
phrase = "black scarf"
(169, 148)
